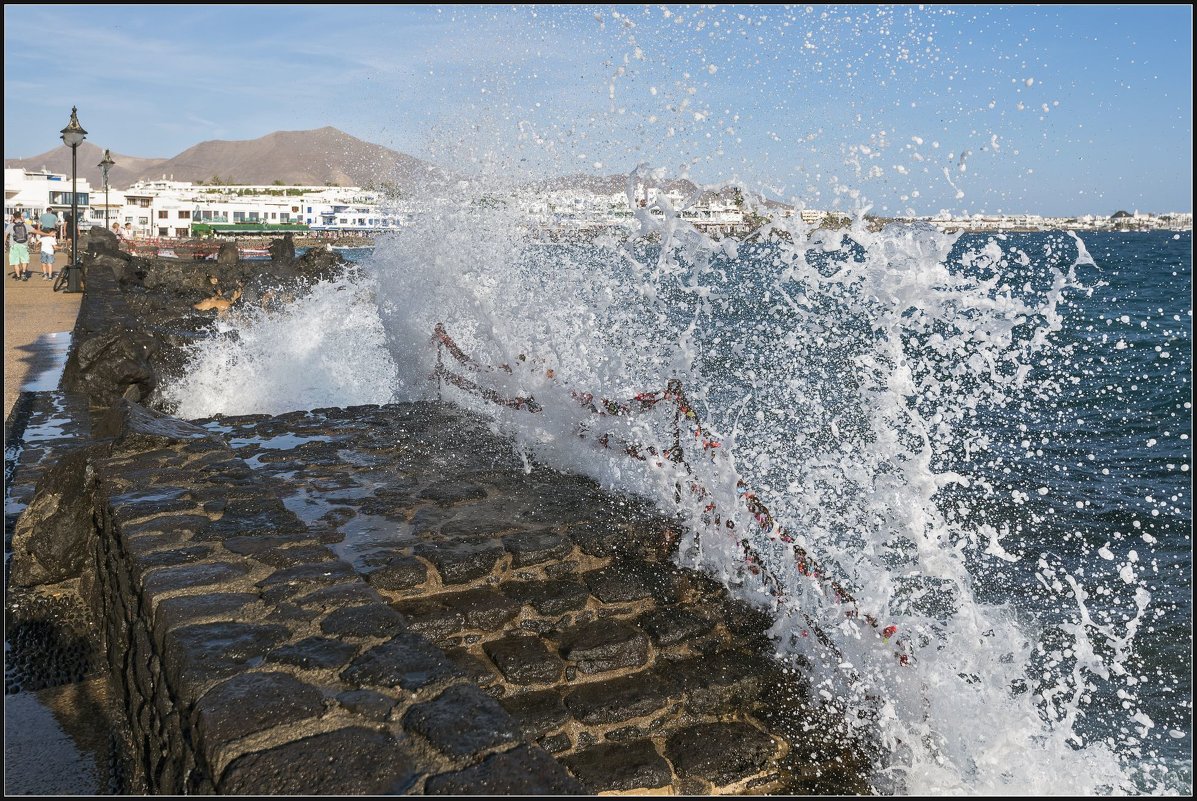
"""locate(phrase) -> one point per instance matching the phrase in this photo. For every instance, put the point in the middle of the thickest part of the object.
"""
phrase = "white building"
(32, 192)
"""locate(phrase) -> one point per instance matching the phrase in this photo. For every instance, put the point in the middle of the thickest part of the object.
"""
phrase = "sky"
(1057, 110)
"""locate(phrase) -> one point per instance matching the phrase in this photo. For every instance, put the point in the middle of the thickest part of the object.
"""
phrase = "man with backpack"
(16, 237)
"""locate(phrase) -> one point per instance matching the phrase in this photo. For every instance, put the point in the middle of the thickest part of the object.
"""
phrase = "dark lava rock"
(462, 562)
(51, 540)
(167, 579)
(407, 660)
(721, 753)
(535, 547)
(367, 703)
(314, 652)
(202, 652)
(373, 620)
(618, 699)
(625, 581)
(538, 713)
(134, 429)
(673, 625)
(605, 645)
(447, 493)
(524, 660)
(431, 618)
(254, 702)
(172, 613)
(352, 761)
(548, 597)
(521, 771)
(481, 609)
(462, 722)
(282, 250)
(400, 573)
(716, 682)
(620, 767)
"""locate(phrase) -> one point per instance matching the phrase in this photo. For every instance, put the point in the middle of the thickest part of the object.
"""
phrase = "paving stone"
(294, 555)
(620, 767)
(367, 703)
(181, 577)
(717, 682)
(351, 761)
(535, 547)
(617, 699)
(172, 613)
(313, 573)
(431, 618)
(372, 620)
(447, 493)
(538, 713)
(475, 669)
(596, 539)
(481, 608)
(314, 652)
(462, 562)
(336, 597)
(261, 543)
(721, 753)
(462, 722)
(524, 770)
(604, 645)
(253, 702)
(407, 660)
(548, 597)
(673, 625)
(624, 581)
(202, 652)
(399, 573)
(524, 660)
(172, 557)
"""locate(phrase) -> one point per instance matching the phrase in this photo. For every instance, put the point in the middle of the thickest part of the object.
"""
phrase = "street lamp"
(105, 166)
(73, 136)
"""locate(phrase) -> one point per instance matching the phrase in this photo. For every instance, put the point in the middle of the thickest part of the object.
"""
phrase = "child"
(48, 243)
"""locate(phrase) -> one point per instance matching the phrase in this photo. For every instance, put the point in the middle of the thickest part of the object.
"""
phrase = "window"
(163, 214)
(184, 215)
(238, 216)
(182, 232)
(253, 216)
(143, 202)
(164, 231)
(143, 221)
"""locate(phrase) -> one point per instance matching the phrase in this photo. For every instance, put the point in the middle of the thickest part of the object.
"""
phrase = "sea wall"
(382, 598)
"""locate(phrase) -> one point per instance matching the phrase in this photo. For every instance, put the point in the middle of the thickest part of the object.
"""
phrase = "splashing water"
(857, 384)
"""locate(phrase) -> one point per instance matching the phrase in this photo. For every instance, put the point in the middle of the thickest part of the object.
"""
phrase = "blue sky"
(1048, 109)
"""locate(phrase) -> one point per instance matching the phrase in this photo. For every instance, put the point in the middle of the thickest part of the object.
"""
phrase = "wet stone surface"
(380, 599)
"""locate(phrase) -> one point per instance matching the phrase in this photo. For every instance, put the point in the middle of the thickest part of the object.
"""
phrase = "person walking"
(16, 237)
(48, 244)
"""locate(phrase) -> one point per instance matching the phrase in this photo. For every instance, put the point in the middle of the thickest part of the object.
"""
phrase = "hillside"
(323, 156)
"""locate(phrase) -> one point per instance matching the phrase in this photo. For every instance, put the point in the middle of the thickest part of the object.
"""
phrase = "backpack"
(20, 234)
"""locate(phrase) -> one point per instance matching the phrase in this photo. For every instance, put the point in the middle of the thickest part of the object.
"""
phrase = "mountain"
(321, 157)
(126, 170)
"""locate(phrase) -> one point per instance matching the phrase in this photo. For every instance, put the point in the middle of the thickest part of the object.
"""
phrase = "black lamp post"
(73, 136)
(105, 166)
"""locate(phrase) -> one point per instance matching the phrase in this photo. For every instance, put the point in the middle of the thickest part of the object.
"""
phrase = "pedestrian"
(49, 221)
(49, 243)
(16, 236)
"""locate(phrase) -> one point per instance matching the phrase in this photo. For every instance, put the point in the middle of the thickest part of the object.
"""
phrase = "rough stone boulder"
(134, 428)
(50, 542)
(282, 251)
(98, 240)
(111, 364)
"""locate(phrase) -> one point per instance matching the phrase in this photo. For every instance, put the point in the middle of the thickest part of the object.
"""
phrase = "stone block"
(604, 645)
(524, 660)
(462, 722)
(721, 753)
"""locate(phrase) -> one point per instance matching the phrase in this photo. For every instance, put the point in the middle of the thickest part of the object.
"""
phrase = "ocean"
(956, 469)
